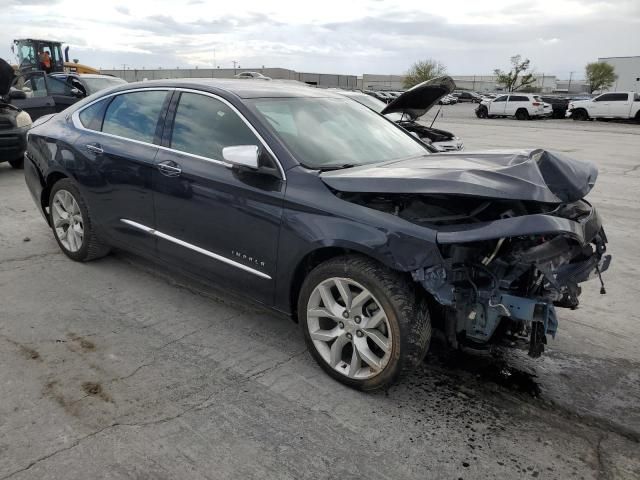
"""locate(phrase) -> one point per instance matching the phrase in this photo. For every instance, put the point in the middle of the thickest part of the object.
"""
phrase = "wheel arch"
(51, 179)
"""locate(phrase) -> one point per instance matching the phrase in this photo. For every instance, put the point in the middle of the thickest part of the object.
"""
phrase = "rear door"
(514, 102)
(620, 105)
(118, 141)
(214, 219)
(498, 106)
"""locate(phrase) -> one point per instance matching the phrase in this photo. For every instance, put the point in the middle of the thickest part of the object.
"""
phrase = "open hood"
(6, 77)
(416, 101)
(533, 175)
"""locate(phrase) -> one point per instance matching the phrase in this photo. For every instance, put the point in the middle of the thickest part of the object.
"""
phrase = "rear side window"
(134, 115)
(91, 117)
(619, 97)
(204, 126)
(518, 98)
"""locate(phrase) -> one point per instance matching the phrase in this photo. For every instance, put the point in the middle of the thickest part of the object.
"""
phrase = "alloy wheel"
(67, 220)
(349, 328)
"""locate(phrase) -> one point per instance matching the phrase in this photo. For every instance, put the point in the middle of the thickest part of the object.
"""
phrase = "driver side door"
(38, 101)
(498, 105)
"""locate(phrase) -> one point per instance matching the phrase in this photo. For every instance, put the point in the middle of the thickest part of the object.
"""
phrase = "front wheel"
(482, 112)
(17, 163)
(364, 324)
(580, 115)
(72, 225)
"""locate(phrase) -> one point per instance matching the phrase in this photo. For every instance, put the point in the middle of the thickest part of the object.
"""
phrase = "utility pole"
(214, 58)
(569, 86)
(235, 62)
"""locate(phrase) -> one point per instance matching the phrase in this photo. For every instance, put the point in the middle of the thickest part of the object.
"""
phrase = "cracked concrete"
(121, 369)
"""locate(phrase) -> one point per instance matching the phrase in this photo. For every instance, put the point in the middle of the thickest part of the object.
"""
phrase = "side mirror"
(76, 92)
(15, 94)
(242, 156)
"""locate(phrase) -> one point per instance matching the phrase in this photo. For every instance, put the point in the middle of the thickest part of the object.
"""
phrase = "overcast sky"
(327, 36)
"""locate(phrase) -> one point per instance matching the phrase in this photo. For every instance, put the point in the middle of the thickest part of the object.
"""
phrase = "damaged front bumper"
(500, 281)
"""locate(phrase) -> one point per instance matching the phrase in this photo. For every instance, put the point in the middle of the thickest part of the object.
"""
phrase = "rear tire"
(72, 225)
(18, 163)
(522, 114)
(379, 334)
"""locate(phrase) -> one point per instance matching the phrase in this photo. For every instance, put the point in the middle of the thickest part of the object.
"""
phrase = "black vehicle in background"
(320, 208)
(89, 83)
(14, 122)
(558, 104)
(471, 97)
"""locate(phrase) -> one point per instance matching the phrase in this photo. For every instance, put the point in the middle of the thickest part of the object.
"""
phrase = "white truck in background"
(607, 105)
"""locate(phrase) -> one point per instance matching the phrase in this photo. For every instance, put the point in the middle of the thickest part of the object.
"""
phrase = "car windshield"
(95, 84)
(327, 133)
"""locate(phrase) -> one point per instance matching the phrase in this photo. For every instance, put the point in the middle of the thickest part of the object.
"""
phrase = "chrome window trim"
(75, 118)
(195, 248)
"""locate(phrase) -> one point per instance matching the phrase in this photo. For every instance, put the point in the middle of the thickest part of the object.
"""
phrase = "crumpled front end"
(501, 281)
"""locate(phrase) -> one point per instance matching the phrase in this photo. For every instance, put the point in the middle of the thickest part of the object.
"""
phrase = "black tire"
(18, 163)
(637, 117)
(406, 310)
(482, 112)
(522, 114)
(580, 115)
(92, 247)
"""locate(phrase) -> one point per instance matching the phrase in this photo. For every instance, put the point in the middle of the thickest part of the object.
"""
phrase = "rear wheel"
(364, 324)
(522, 114)
(72, 225)
(18, 163)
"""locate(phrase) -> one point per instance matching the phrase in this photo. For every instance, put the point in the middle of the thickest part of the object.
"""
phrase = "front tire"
(71, 223)
(364, 324)
(482, 112)
(17, 163)
(580, 115)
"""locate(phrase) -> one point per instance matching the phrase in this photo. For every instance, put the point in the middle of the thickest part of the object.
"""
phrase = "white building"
(628, 71)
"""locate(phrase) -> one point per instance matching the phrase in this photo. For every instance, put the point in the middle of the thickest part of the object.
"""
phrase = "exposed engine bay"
(502, 290)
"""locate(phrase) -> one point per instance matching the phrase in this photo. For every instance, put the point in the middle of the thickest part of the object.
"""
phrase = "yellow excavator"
(30, 53)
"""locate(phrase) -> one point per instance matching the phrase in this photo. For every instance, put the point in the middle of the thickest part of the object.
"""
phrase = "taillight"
(536, 104)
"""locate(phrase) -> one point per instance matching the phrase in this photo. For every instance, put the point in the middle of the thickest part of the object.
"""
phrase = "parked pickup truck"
(607, 105)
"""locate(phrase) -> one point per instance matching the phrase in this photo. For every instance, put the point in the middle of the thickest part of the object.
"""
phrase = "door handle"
(94, 147)
(169, 168)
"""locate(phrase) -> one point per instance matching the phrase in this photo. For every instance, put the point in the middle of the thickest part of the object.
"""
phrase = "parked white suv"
(607, 105)
(520, 105)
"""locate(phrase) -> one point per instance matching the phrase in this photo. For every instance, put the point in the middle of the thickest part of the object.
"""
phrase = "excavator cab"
(31, 52)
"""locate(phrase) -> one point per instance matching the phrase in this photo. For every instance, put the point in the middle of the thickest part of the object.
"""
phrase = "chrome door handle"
(95, 148)
(169, 168)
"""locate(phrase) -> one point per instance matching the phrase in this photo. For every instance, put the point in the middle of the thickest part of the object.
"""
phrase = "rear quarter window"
(91, 117)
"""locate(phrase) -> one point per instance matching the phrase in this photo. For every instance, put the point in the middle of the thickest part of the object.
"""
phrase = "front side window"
(134, 115)
(502, 98)
(603, 98)
(57, 86)
(334, 132)
(204, 126)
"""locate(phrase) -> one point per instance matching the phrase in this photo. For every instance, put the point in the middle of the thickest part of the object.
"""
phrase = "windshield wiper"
(336, 167)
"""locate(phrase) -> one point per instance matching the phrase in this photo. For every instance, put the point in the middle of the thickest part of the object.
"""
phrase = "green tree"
(422, 71)
(518, 77)
(600, 75)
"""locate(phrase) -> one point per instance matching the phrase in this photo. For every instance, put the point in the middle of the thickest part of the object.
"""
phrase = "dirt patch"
(86, 345)
(29, 352)
(96, 390)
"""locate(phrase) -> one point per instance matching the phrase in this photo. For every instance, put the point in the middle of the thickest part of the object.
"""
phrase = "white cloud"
(383, 36)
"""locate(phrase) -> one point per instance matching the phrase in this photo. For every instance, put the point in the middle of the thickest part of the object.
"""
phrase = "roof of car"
(245, 88)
